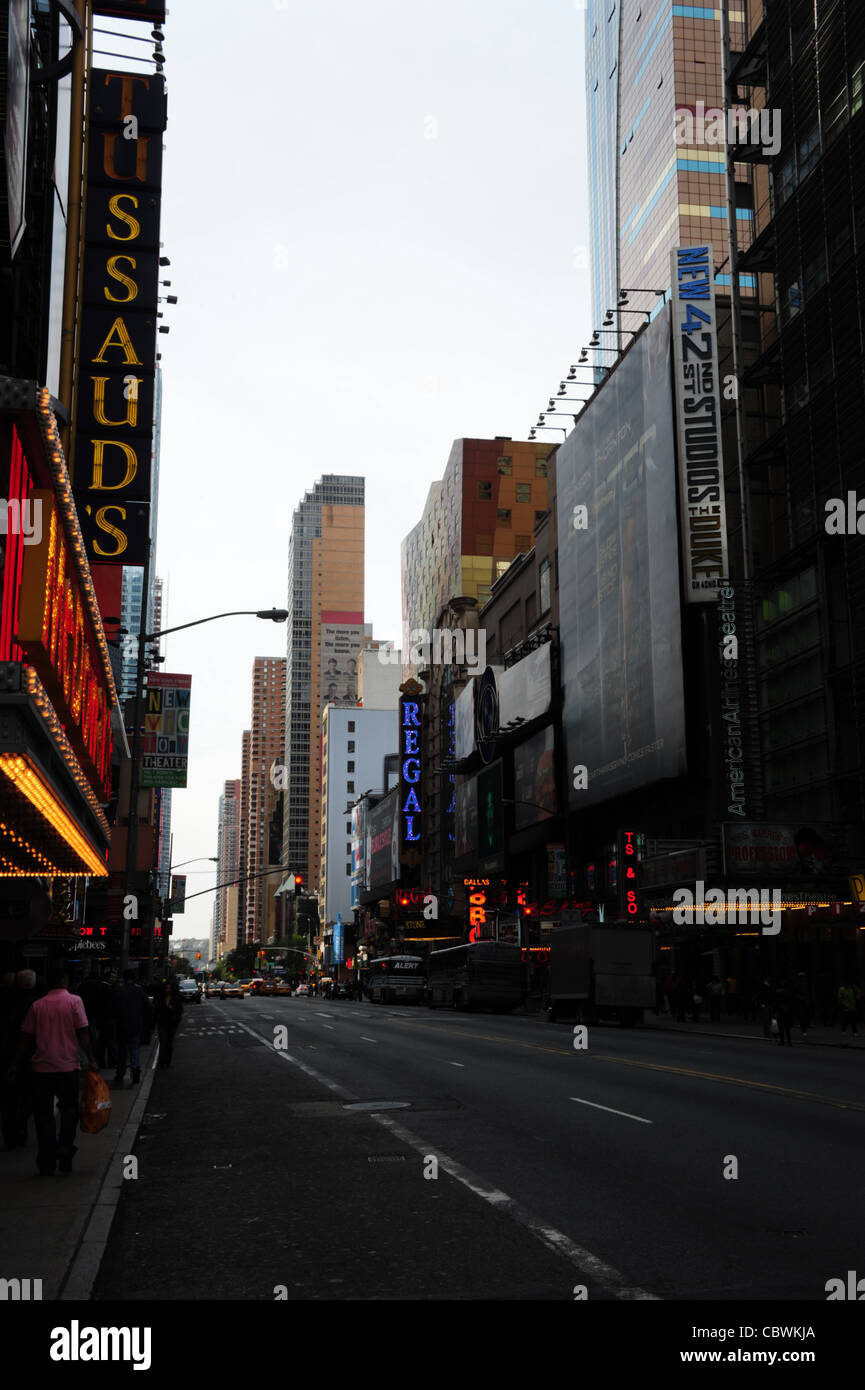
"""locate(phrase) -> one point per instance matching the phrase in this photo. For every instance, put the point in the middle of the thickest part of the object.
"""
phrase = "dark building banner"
(698, 419)
(120, 287)
(130, 9)
(620, 605)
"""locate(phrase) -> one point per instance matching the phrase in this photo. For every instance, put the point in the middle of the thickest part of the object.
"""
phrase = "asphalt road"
(556, 1168)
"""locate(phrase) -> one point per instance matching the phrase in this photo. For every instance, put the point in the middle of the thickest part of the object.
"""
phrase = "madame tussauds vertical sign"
(698, 422)
(117, 353)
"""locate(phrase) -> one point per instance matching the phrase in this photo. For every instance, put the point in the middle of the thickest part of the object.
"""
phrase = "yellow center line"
(650, 1066)
(732, 1081)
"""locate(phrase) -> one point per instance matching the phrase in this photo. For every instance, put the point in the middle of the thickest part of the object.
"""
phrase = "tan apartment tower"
(325, 637)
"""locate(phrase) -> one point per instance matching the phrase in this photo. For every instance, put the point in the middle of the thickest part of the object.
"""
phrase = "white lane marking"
(449, 1064)
(330, 1026)
(321, 1015)
(587, 1263)
(309, 1071)
(365, 1039)
(610, 1111)
(555, 1240)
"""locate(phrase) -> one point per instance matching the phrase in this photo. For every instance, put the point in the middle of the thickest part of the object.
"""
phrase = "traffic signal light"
(198, 955)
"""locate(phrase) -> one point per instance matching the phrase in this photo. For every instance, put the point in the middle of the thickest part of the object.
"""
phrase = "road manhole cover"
(378, 1105)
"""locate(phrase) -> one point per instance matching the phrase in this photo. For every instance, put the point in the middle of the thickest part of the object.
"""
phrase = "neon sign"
(410, 774)
(55, 629)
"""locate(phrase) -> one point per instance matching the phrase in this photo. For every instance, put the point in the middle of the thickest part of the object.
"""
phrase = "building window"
(539, 516)
(540, 468)
(503, 516)
(351, 723)
(349, 786)
(544, 584)
(349, 766)
(485, 492)
(351, 745)
(348, 827)
(348, 871)
(348, 849)
(505, 465)
(524, 492)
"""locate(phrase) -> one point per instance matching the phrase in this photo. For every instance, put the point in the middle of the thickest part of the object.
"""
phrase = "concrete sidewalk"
(54, 1229)
(732, 1026)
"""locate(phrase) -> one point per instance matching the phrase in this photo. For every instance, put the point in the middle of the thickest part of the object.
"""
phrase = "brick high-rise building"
(258, 797)
(228, 862)
(477, 518)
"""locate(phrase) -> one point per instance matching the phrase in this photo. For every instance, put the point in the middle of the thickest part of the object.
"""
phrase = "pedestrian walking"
(55, 1027)
(784, 1001)
(131, 1010)
(802, 1002)
(167, 1015)
(849, 999)
(15, 1096)
(716, 997)
(764, 1003)
(696, 1002)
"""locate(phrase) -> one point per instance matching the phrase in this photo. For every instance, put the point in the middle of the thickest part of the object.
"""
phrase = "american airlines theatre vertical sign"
(117, 344)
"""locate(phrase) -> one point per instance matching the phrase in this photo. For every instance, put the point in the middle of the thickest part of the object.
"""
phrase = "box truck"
(601, 972)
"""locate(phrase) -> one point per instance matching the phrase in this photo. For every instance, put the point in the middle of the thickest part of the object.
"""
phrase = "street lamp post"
(276, 615)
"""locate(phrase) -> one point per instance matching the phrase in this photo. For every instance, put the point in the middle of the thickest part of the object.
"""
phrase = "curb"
(77, 1283)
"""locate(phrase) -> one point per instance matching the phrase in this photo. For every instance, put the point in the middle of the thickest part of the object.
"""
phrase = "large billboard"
(120, 288)
(698, 420)
(535, 779)
(525, 689)
(341, 643)
(783, 853)
(383, 824)
(620, 609)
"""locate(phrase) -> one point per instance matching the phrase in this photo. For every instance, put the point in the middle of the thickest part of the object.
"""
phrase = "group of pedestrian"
(43, 1034)
(777, 1003)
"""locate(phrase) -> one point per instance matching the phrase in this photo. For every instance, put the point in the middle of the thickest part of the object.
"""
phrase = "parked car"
(189, 991)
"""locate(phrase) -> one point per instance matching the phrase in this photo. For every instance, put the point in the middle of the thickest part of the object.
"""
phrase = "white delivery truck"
(601, 972)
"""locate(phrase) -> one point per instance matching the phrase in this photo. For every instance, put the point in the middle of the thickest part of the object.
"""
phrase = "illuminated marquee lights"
(27, 781)
(52, 632)
(46, 709)
(71, 525)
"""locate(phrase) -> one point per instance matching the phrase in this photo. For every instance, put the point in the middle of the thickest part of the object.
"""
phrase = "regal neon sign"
(410, 772)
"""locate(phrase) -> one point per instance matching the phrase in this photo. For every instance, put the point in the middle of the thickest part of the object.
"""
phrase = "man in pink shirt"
(55, 1026)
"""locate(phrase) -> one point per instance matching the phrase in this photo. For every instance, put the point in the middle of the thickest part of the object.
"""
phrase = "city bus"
(397, 980)
(481, 975)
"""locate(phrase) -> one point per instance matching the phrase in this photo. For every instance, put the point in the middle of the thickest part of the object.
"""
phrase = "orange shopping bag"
(95, 1104)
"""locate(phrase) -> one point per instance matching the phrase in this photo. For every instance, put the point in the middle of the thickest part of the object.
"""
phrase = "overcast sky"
(376, 217)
